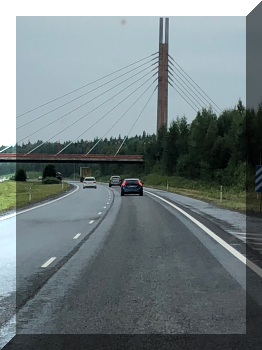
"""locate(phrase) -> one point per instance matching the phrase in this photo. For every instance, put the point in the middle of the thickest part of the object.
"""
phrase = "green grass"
(233, 197)
(7, 176)
(16, 194)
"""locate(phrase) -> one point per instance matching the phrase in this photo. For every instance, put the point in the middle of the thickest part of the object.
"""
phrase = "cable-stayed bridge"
(138, 81)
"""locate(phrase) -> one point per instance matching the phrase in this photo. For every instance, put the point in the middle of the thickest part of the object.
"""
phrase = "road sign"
(258, 183)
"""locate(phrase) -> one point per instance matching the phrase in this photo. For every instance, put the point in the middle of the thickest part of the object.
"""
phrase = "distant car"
(89, 182)
(59, 176)
(40, 178)
(115, 181)
(132, 186)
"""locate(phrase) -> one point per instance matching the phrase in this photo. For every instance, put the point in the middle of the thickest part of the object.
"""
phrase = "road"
(127, 265)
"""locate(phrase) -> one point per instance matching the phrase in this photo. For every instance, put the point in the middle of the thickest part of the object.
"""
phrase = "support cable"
(87, 84)
(135, 121)
(88, 93)
(83, 103)
(183, 97)
(187, 86)
(195, 83)
(6, 148)
(101, 138)
(185, 94)
(89, 113)
(102, 117)
(193, 87)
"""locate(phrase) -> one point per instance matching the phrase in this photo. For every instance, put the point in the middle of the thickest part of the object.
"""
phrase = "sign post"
(258, 183)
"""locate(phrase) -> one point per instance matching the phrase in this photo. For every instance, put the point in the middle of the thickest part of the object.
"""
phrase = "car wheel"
(122, 194)
(83, 188)
(109, 185)
(95, 187)
(141, 194)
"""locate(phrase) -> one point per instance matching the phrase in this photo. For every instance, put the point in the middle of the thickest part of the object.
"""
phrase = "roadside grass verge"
(7, 176)
(232, 198)
(16, 194)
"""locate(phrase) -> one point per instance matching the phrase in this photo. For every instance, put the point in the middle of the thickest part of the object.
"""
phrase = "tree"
(20, 175)
(49, 171)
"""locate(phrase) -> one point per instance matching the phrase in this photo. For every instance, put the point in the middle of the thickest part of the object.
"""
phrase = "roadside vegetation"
(16, 194)
(21, 191)
(196, 158)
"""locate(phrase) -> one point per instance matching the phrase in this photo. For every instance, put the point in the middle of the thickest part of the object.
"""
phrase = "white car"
(89, 182)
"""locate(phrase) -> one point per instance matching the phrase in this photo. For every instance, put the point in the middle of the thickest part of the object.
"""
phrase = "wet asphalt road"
(53, 231)
(145, 269)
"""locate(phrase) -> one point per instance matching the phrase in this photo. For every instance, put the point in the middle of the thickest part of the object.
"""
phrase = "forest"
(215, 149)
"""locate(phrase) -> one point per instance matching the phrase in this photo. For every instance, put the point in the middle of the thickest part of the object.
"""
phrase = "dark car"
(132, 186)
(115, 181)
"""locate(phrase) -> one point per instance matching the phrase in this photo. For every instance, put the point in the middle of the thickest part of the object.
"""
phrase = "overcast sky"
(55, 55)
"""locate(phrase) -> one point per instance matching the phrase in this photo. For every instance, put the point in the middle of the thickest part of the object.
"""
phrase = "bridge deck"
(69, 158)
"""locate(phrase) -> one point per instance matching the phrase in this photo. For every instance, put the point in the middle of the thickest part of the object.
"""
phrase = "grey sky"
(58, 54)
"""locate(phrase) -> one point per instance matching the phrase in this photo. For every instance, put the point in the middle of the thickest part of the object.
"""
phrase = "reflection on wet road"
(129, 265)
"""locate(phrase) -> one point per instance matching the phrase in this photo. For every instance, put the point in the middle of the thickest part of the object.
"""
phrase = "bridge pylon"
(162, 99)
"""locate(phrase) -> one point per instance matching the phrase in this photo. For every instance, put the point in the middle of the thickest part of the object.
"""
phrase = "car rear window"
(131, 182)
(115, 177)
(89, 179)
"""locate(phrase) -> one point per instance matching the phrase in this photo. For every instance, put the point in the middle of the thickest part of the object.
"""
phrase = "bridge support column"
(162, 100)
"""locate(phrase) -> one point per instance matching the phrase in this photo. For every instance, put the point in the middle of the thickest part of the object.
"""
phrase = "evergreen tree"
(49, 171)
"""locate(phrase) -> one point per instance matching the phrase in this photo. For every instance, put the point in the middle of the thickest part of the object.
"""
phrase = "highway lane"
(49, 231)
(147, 269)
(52, 231)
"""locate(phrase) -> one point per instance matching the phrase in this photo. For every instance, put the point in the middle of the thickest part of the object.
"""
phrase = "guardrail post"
(220, 193)
(30, 196)
(167, 185)
(62, 185)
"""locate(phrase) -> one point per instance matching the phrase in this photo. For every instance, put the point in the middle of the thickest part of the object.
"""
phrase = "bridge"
(162, 71)
(70, 158)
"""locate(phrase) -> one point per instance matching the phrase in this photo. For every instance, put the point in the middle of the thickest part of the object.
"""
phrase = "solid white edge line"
(38, 206)
(77, 235)
(233, 251)
(90, 222)
(48, 262)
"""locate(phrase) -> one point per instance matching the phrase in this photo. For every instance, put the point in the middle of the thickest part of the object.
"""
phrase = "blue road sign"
(258, 184)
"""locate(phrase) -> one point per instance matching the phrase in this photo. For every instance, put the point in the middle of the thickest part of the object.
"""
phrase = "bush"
(49, 171)
(50, 180)
(20, 175)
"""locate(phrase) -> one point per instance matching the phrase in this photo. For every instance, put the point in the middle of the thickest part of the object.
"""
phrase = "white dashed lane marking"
(100, 213)
(78, 235)
(90, 222)
(48, 262)
(104, 207)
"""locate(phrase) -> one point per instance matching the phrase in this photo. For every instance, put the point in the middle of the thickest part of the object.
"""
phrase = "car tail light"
(84, 182)
(140, 183)
(94, 182)
(123, 183)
